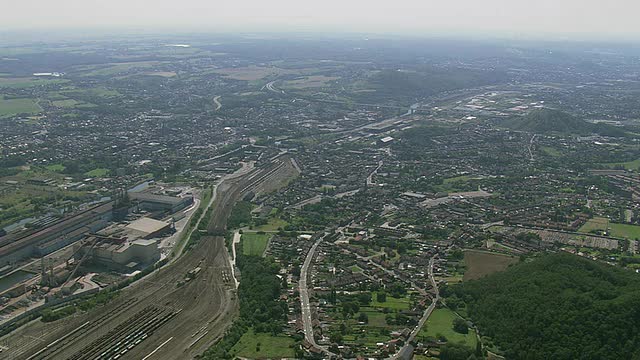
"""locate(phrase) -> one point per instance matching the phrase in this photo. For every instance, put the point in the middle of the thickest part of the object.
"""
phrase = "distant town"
(241, 197)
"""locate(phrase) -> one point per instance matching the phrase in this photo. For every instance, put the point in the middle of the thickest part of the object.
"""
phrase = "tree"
(453, 351)
(460, 326)
(381, 297)
(363, 317)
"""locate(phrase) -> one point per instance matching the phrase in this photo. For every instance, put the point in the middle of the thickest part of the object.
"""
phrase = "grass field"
(273, 225)
(596, 223)
(391, 303)
(10, 107)
(56, 167)
(253, 243)
(615, 230)
(480, 263)
(551, 151)
(625, 231)
(100, 172)
(271, 347)
(441, 323)
(68, 103)
(629, 165)
(117, 68)
(313, 81)
(22, 83)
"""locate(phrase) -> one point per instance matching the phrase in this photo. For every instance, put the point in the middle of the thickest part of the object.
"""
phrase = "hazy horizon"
(571, 19)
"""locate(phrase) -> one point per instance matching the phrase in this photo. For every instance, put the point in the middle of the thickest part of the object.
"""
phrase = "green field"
(22, 83)
(56, 167)
(100, 172)
(117, 68)
(625, 231)
(551, 151)
(254, 244)
(441, 323)
(597, 223)
(271, 347)
(273, 225)
(10, 107)
(629, 165)
(95, 92)
(615, 230)
(68, 103)
(392, 303)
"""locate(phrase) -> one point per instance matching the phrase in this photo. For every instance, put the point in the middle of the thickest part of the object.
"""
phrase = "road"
(375, 171)
(530, 147)
(404, 350)
(270, 87)
(236, 241)
(305, 305)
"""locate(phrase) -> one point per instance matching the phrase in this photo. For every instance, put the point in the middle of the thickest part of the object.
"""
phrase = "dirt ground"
(481, 263)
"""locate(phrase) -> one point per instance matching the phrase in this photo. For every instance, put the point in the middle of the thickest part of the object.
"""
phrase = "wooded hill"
(543, 121)
(559, 306)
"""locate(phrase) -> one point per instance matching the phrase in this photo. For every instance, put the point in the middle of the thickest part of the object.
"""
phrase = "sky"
(571, 18)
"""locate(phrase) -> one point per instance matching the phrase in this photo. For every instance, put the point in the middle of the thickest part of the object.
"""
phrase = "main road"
(305, 305)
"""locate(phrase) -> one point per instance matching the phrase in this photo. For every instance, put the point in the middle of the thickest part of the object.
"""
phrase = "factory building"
(55, 235)
(122, 254)
(148, 228)
(152, 202)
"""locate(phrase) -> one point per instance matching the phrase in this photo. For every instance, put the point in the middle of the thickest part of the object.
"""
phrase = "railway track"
(132, 326)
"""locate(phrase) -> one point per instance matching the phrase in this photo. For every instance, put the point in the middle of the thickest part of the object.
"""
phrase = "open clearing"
(629, 165)
(166, 74)
(273, 225)
(253, 73)
(615, 230)
(597, 223)
(97, 172)
(271, 347)
(441, 323)
(21, 83)
(313, 81)
(118, 68)
(391, 303)
(480, 263)
(254, 243)
(69, 103)
(10, 107)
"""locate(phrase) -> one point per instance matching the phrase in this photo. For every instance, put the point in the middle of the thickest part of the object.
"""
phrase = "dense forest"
(559, 306)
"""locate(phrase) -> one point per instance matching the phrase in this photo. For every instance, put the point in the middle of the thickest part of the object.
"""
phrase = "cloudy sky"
(580, 18)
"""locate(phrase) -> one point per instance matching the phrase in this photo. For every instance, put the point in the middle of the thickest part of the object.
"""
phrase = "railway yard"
(176, 312)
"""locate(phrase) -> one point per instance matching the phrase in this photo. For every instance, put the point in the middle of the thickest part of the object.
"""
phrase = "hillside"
(559, 306)
(544, 121)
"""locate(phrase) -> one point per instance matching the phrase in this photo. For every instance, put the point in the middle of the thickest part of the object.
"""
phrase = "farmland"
(17, 106)
(480, 264)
